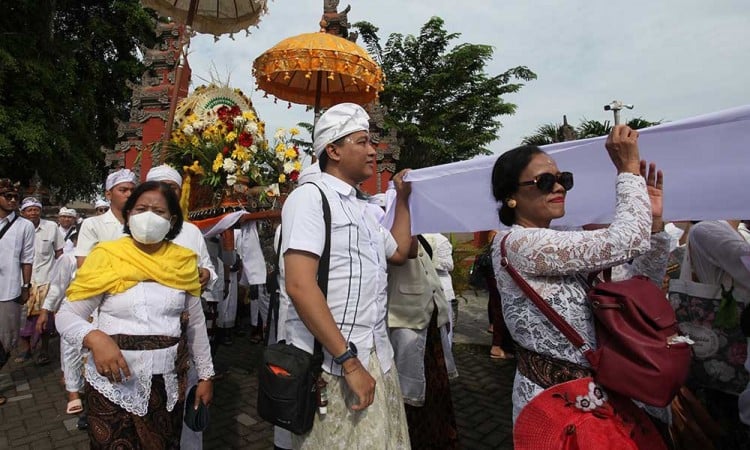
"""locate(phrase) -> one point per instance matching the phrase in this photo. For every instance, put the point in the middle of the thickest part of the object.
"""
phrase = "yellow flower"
(290, 153)
(231, 136)
(297, 165)
(195, 169)
(249, 115)
(280, 148)
(282, 178)
(195, 141)
(294, 131)
(218, 162)
(240, 153)
(261, 128)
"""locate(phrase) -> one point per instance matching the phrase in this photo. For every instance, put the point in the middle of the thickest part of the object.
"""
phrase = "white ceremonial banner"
(705, 159)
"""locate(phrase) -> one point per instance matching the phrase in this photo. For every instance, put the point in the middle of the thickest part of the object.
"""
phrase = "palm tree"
(593, 128)
(546, 134)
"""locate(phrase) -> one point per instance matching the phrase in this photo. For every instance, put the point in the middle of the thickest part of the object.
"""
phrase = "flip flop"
(74, 407)
(42, 359)
(3, 400)
(501, 355)
(22, 358)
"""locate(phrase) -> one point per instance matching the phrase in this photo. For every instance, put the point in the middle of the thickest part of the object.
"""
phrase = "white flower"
(231, 179)
(584, 402)
(199, 125)
(253, 149)
(280, 132)
(245, 167)
(239, 121)
(597, 394)
(188, 130)
(273, 190)
(230, 165)
(288, 167)
(251, 127)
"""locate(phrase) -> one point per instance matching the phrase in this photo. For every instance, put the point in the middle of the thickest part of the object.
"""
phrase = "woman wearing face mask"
(149, 316)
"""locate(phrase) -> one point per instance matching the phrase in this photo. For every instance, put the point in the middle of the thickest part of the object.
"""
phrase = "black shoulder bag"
(287, 377)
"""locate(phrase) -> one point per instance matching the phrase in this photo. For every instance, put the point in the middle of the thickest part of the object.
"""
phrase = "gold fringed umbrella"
(211, 16)
(318, 69)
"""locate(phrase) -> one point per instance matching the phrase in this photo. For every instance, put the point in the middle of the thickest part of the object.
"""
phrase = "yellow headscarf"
(116, 266)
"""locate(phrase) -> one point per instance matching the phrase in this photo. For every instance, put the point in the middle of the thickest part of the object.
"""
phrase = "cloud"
(673, 59)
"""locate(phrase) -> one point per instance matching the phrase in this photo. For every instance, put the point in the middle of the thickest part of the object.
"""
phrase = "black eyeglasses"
(546, 181)
(10, 196)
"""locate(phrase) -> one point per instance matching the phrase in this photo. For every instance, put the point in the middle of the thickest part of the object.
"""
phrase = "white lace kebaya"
(148, 308)
(549, 260)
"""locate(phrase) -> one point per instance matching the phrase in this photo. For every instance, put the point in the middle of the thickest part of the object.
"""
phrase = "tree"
(441, 102)
(63, 68)
(550, 133)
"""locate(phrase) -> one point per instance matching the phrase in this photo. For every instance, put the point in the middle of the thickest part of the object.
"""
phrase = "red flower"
(294, 175)
(225, 150)
(222, 112)
(230, 126)
(235, 111)
(245, 139)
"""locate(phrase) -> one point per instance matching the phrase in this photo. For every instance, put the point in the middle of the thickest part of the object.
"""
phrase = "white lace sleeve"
(652, 264)
(197, 337)
(71, 320)
(542, 251)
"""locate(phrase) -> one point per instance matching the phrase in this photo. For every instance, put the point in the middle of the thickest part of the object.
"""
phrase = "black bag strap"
(425, 244)
(553, 316)
(323, 269)
(7, 227)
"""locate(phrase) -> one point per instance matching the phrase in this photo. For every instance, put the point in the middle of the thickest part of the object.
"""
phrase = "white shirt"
(47, 241)
(98, 229)
(16, 248)
(442, 258)
(62, 274)
(147, 308)
(68, 247)
(249, 250)
(191, 238)
(358, 248)
(715, 250)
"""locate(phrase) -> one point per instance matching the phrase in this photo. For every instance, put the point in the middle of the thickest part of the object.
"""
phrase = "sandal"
(74, 407)
(42, 359)
(498, 353)
(3, 400)
(22, 358)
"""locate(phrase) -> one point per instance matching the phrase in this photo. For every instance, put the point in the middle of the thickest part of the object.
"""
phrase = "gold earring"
(511, 203)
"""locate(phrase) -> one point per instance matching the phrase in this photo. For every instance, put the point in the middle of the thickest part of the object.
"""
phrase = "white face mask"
(148, 228)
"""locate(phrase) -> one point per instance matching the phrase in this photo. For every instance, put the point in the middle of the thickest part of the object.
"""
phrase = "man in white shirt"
(48, 246)
(107, 226)
(357, 353)
(66, 223)
(16, 258)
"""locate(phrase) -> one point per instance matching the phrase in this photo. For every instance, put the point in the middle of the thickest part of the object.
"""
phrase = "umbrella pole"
(318, 89)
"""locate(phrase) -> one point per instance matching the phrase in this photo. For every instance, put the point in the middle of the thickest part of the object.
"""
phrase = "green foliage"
(63, 67)
(439, 99)
(550, 133)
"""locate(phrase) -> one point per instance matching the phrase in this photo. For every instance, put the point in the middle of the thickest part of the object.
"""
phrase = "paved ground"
(34, 416)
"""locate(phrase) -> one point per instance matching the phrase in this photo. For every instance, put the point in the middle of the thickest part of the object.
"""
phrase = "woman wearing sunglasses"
(531, 191)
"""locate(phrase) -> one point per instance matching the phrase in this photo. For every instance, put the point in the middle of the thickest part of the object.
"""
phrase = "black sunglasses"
(546, 181)
(10, 196)
(102, 209)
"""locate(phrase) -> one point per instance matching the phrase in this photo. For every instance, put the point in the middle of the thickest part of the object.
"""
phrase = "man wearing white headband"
(190, 237)
(108, 226)
(66, 223)
(350, 321)
(101, 207)
(48, 246)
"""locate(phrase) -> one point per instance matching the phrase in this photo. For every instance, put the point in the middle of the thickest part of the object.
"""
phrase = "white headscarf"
(120, 176)
(339, 121)
(101, 204)
(164, 173)
(29, 202)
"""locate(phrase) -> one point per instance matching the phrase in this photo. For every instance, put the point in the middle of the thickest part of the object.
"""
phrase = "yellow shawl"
(116, 266)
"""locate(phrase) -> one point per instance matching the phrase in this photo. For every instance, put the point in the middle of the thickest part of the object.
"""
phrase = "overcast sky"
(672, 59)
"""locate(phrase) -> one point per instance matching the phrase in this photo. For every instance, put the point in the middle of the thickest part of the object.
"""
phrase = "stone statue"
(335, 22)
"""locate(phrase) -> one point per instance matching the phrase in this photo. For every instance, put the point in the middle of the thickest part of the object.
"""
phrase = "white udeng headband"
(339, 121)
(121, 176)
(29, 202)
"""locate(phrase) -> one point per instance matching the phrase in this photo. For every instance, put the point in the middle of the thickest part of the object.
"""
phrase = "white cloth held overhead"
(120, 176)
(164, 173)
(703, 158)
(339, 121)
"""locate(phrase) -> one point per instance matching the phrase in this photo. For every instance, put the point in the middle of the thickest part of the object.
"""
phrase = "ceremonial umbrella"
(206, 16)
(318, 69)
